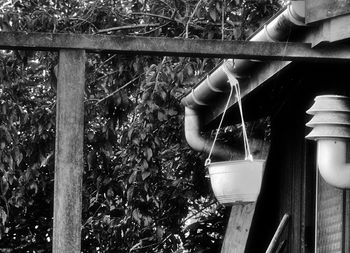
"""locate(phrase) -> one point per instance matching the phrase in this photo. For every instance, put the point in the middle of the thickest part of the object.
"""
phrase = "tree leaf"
(4, 186)
(90, 135)
(131, 130)
(144, 165)
(162, 116)
(145, 174)
(133, 177)
(160, 233)
(130, 193)
(3, 216)
(213, 14)
(91, 159)
(218, 7)
(149, 153)
(18, 156)
(137, 216)
(172, 112)
(136, 141)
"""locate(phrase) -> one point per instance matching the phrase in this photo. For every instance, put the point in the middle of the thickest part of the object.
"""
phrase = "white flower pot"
(236, 181)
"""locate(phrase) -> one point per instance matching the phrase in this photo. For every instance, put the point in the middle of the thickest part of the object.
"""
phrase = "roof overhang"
(331, 35)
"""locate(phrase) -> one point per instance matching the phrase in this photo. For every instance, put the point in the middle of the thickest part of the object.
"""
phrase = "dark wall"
(289, 180)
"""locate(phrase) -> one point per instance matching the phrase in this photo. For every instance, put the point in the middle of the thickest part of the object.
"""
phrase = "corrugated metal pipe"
(278, 29)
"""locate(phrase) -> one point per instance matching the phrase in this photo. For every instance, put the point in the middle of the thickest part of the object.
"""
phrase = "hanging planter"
(235, 181)
(331, 130)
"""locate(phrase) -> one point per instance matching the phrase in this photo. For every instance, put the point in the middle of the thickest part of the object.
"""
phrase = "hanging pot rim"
(232, 162)
(314, 111)
(331, 96)
(312, 124)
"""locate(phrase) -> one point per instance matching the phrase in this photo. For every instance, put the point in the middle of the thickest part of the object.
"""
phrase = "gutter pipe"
(278, 29)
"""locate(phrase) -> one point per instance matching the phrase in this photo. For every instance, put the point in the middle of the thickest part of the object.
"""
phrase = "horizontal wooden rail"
(285, 51)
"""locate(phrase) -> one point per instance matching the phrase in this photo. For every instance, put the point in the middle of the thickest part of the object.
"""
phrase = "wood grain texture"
(333, 218)
(317, 10)
(330, 30)
(330, 218)
(284, 51)
(238, 228)
(69, 152)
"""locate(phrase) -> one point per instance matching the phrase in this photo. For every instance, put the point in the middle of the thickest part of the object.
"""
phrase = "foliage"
(144, 189)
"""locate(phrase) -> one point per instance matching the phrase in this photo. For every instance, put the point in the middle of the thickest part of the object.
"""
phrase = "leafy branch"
(156, 245)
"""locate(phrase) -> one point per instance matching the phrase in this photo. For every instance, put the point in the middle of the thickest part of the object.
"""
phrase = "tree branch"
(223, 20)
(103, 63)
(86, 21)
(117, 90)
(198, 212)
(166, 4)
(126, 27)
(155, 29)
(106, 75)
(155, 245)
(191, 17)
(158, 73)
(154, 15)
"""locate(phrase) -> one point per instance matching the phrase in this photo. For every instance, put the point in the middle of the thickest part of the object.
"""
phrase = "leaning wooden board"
(238, 228)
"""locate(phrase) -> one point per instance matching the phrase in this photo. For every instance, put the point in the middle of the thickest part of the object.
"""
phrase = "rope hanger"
(233, 84)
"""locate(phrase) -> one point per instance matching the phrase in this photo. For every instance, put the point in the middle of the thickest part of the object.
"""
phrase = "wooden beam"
(69, 152)
(238, 227)
(330, 30)
(317, 10)
(286, 51)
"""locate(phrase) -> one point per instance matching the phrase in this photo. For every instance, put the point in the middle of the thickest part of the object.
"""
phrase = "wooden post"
(238, 227)
(69, 152)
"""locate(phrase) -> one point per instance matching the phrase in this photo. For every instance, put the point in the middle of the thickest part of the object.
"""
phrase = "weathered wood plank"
(330, 214)
(69, 152)
(347, 222)
(333, 216)
(285, 51)
(238, 228)
(331, 30)
(317, 10)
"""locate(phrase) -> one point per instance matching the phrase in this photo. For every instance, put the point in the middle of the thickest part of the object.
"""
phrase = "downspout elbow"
(196, 141)
(192, 131)
(332, 162)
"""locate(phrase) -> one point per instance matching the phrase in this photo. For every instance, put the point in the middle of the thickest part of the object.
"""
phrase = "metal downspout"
(205, 93)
